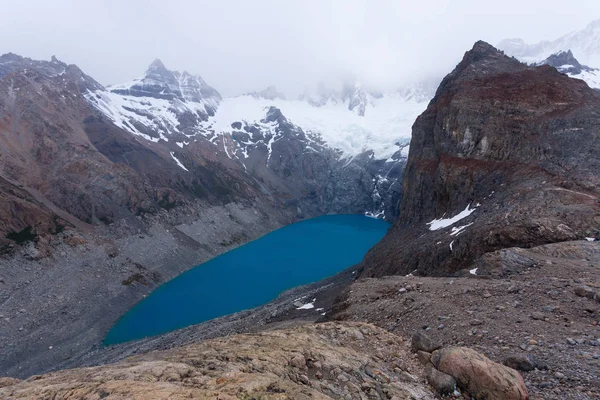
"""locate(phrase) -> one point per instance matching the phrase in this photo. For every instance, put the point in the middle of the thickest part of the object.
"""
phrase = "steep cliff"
(505, 155)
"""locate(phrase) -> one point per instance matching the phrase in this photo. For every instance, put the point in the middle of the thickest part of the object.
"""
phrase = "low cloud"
(239, 46)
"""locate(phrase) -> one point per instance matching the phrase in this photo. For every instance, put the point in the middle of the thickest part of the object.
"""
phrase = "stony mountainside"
(536, 310)
(505, 155)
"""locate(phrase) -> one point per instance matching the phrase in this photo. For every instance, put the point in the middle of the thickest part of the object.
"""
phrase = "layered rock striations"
(505, 155)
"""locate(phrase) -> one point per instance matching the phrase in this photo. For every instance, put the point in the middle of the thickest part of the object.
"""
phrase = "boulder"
(441, 382)
(424, 357)
(482, 378)
(423, 342)
(520, 362)
(585, 291)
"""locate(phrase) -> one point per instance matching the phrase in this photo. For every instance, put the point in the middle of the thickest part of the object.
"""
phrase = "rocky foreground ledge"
(317, 361)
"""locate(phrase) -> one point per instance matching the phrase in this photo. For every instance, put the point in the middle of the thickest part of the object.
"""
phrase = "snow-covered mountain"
(565, 62)
(564, 53)
(358, 132)
(585, 45)
(168, 105)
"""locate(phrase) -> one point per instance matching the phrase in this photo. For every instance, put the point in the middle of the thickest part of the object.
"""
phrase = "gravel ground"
(505, 309)
(56, 308)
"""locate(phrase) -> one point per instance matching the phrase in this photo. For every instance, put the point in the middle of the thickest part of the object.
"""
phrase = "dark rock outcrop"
(565, 62)
(520, 362)
(510, 151)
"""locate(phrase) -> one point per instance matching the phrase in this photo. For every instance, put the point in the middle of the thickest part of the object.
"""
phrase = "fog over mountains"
(240, 47)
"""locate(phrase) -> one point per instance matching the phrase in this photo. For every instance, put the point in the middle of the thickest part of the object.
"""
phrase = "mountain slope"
(108, 192)
(585, 44)
(563, 53)
(505, 155)
(55, 143)
(565, 62)
(342, 161)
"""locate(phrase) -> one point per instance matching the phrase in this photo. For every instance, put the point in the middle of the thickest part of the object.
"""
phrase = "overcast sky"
(243, 45)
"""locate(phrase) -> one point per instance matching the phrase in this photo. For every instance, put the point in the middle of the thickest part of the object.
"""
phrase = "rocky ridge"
(164, 107)
(565, 62)
(323, 361)
(508, 150)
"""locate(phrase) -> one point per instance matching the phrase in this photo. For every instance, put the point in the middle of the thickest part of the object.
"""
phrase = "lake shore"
(56, 308)
(252, 275)
(275, 314)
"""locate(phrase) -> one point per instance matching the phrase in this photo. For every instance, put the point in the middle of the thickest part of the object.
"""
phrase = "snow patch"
(473, 271)
(590, 239)
(307, 306)
(179, 162)
(387, 121)
(458, 230)
(446, 222)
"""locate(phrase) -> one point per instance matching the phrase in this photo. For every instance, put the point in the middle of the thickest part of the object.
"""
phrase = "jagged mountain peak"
(566, 63)
(484, 53)
(584, 43)
(161, 83)
(482, 60)
(269, 93)
(157, 65)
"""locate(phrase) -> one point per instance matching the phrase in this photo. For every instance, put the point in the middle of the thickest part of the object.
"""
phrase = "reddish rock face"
(521, 145)
(62, 165)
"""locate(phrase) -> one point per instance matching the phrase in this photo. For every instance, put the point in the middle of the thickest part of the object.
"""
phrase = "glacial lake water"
(252, 274)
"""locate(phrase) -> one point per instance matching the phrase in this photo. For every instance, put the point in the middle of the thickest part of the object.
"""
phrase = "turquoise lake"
(252, 274)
